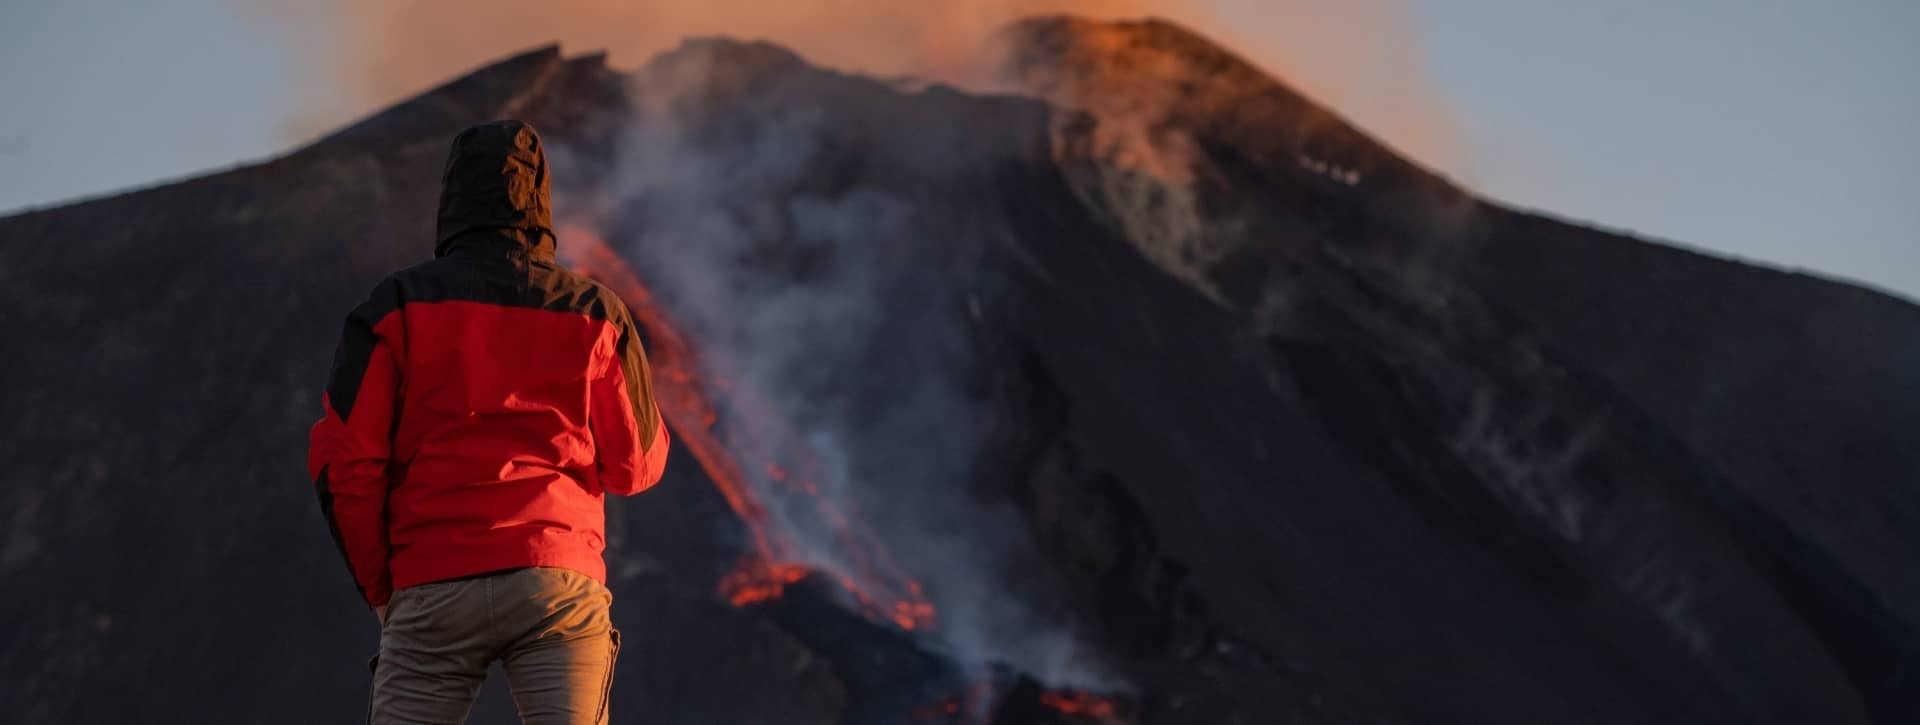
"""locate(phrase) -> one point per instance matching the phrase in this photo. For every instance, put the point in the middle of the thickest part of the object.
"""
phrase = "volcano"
(1131, 386)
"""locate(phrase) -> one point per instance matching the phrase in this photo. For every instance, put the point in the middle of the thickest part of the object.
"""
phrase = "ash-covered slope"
(1175, 399)
(1796, 396)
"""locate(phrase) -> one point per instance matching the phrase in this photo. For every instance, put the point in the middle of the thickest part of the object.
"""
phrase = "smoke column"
(836, 312)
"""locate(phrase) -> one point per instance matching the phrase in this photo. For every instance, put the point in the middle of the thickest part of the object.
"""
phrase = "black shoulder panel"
(508, 282)
(357, 343)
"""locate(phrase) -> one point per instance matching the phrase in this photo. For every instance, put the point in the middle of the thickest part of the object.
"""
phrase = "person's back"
(480, 406)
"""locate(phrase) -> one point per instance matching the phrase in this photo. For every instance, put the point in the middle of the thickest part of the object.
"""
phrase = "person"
(479, 407)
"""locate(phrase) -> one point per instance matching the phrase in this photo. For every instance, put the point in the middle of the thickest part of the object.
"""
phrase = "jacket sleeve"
(351, 445)
(629, 435)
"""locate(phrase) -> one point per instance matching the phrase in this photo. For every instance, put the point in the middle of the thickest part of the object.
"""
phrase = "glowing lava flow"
(769, 565)
(978, 702)
(687, 400)
(1079, 704)
(973, 703)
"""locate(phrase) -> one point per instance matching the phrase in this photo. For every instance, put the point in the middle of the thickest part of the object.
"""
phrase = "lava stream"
(686, 401)
(1079, 704)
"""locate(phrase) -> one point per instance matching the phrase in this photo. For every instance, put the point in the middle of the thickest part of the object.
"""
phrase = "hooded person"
(480, 407)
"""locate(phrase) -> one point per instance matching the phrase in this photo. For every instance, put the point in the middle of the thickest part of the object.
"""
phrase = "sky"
(1776, 131)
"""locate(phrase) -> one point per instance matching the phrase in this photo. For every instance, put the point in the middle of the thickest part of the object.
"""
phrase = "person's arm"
(352, 444)
(628, 432)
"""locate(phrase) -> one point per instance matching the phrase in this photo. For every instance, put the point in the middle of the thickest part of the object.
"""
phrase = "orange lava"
(975, 702)
(752, 584)
(678, 390)
(686, 401)
(1078, 704)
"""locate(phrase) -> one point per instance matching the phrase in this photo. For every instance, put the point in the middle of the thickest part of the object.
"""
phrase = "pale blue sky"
(1786, 131)
(1781, 131)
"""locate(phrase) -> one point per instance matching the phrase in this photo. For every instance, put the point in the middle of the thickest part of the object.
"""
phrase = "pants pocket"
(373, 670)
(606, 686)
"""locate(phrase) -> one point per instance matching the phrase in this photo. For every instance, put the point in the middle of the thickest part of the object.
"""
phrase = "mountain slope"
(1174, 398)
(1781, 385)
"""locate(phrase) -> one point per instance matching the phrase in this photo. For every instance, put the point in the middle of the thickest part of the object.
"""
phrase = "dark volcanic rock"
(1274, 424)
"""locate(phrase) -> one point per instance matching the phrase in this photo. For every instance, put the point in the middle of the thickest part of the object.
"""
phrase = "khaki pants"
(549, 628)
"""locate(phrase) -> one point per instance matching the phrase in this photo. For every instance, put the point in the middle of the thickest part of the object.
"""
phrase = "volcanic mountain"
(1135, 388)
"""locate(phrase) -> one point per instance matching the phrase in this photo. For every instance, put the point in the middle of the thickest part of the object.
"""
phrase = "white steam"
(834, 309)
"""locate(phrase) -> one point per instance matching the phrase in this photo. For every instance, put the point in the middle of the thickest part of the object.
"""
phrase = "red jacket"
(482, 403)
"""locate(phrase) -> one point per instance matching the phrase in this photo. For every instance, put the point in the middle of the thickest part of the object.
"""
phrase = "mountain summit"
(1142, 389)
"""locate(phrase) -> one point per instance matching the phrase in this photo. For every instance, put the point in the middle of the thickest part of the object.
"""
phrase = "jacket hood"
(495, 191)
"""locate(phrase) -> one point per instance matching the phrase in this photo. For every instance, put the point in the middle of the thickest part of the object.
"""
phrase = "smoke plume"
(833, 307)
(1359, 56)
